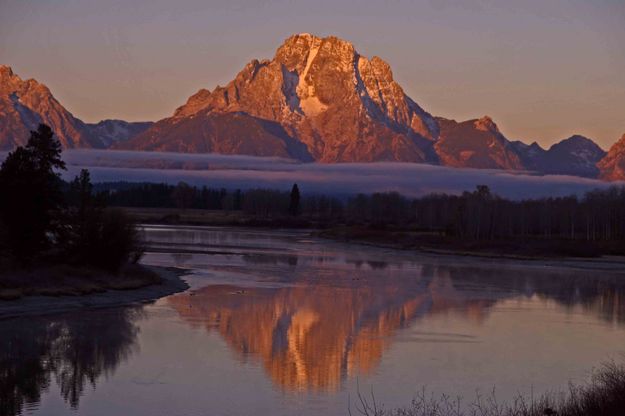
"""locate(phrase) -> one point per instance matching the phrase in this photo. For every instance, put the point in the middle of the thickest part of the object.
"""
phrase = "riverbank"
(435, 243)
(388, 237)
(205, 217)
(148, 285)
(69, 280)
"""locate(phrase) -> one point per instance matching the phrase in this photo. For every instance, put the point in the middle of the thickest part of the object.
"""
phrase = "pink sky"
(543, 70)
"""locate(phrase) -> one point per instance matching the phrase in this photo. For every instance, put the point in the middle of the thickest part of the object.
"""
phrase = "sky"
(542, 69)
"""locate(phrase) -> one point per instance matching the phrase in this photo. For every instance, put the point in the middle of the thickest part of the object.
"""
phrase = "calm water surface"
(279, 323)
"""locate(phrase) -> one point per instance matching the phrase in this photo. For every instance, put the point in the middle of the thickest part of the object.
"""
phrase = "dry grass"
(67, 280)
(603, 395)
(438, 243)
(185, 216)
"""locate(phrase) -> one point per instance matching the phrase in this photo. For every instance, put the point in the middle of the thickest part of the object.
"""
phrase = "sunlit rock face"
(320, 92)
(305, 339)
(475, 144)
(319, 99)
(26, 103)
(612, 166)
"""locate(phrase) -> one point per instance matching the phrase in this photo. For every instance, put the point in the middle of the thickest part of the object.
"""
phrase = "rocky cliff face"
(25, 104)
(319, 99)
(612, 166)
(319, 92)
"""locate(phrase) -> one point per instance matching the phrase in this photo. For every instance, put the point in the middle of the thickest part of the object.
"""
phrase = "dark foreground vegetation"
(58, 238)
(604, 395)
(473, 222)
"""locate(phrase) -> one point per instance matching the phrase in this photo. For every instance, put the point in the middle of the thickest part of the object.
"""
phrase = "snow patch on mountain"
(308, 100)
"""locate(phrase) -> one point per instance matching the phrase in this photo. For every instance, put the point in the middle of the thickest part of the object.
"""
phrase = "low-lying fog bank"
(247, 172)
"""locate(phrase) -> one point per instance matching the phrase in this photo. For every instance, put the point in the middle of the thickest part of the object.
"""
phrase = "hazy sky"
(543, 69)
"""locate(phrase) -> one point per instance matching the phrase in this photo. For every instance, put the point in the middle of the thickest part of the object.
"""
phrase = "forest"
(479, 215)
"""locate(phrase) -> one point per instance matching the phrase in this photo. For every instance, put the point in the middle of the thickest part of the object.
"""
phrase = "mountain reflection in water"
(319, 330)
(311, 316)
(74, 351)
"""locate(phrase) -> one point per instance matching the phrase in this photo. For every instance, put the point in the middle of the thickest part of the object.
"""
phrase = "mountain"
(25, 104)
(108, 132)
(226, 133)
(475, 144)
(577, 156)
(319, 99)
(612, 166)
(315, 92)
(529, 154)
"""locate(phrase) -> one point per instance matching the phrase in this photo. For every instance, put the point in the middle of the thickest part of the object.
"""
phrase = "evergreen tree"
(30, 186)
(81, 192)
(294, 201)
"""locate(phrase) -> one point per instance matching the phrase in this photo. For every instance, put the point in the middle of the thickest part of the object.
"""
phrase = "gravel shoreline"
(172, 282)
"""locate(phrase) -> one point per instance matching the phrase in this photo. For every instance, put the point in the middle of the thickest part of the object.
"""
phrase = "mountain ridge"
(323, 94)
(612, 166)
(317, 99)
(26, 103)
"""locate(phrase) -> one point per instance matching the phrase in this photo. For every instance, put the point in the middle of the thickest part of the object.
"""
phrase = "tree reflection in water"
(598, 294)
(73, 350)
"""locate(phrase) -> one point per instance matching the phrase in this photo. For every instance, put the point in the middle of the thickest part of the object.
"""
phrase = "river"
(282, 323)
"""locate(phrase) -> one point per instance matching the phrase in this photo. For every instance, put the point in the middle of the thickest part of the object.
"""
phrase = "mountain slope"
(576, 155)
(475, 144)
(227, 133)
(108, 132)
(612, 166)
(318, 99)
(530, 155)
(25, 104)
(342, 106)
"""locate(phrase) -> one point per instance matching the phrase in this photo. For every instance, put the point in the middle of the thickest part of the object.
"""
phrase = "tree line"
(598, 215)
(39, 213)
